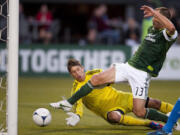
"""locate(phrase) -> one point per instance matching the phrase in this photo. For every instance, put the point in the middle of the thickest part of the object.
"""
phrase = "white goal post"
(12, 67)
(10, 127)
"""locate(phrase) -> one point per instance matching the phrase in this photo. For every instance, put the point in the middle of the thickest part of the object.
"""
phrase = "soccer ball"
(42, 117)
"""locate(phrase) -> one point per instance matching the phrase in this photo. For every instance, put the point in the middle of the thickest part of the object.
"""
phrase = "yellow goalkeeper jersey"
(101, 101)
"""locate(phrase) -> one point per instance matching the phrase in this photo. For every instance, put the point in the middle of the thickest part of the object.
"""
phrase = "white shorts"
(138, 79)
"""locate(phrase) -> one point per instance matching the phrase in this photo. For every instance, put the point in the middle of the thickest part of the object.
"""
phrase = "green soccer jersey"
(152, 52)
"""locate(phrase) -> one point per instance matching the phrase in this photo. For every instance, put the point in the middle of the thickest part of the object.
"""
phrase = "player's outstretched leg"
(118, 117)
(101, 79)
(173, 118)
(157, 104)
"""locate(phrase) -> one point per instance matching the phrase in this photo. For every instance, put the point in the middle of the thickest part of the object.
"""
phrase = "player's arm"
(148, 11)
(78, 107)
(74, 117)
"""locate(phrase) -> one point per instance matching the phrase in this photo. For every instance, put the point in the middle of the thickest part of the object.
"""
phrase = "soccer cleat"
(155, 125)
(64, 105)
(159, 132)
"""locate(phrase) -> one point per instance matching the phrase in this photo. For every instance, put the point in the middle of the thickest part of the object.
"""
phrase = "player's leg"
(114, 74)
(149, 113)
(162, 106)
(116, 117)
(139, 107)
(139, 81)
(173, 118)
(104, 77)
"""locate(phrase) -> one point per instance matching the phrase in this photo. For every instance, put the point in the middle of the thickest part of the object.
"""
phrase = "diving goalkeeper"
(107, 102)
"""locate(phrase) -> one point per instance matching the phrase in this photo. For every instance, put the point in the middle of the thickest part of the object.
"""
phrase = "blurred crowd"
(113, 31)
(41, 28)
(44, 28)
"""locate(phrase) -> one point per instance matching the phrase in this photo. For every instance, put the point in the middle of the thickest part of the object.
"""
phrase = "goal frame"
(12, 67)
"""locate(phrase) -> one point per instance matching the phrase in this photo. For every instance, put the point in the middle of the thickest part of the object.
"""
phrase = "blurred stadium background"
(96, 32)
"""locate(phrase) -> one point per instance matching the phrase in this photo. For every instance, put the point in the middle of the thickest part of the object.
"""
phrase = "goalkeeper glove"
(73, 119)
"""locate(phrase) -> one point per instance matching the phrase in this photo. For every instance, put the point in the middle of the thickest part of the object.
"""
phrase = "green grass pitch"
(38, 92)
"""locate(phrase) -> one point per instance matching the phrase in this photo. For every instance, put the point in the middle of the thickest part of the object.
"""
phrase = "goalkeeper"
(107, 102)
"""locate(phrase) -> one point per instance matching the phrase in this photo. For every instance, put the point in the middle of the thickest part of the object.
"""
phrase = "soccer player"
(144, 64)
(172, 120)
(107, 102)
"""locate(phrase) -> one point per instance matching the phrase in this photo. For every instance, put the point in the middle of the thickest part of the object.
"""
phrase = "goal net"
(9, 21)
(3, 103)
(3, 20)
(3, 80)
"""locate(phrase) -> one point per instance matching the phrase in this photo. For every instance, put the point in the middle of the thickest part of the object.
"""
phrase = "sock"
(153, 114)
(131, 121)
(83, 91)
(166, 107)
(173, 118)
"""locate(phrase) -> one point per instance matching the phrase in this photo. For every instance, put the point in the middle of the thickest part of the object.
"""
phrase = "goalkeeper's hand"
(73, 119)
